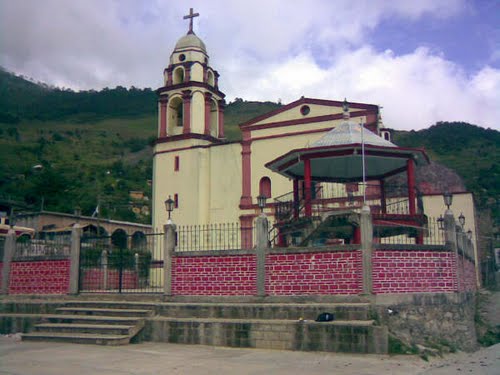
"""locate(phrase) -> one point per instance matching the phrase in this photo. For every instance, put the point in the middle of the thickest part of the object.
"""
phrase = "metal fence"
(429, 233)
(127, 267)
(225, 236)
(27, 248)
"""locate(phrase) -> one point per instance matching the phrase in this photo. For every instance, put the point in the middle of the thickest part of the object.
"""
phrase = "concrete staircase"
(90, 323)
(279, 324)
(283, 326)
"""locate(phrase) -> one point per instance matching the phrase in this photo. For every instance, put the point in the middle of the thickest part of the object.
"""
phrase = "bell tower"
(190, 103)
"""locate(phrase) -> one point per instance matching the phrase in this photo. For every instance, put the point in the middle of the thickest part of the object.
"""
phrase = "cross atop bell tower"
(190, 16)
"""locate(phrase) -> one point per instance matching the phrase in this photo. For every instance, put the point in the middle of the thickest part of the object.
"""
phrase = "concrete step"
(92, 319)
(359, 336)
(77, 338)
(99, 311)
(112, 304)
(290, 311)
(104, 329)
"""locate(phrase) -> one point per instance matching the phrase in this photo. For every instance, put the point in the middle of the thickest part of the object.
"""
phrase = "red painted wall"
(93, 279)
(336, 272)
(413, 271)
(214, 275)
(39, 277)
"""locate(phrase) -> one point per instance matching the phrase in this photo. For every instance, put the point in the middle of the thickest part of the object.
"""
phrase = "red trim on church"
(246, 173)
(301, 101)
(182, 85)
(308, 120)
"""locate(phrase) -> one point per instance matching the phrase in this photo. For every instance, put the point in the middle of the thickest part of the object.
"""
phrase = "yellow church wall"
(197, 72)
(184, 183)
(266, 150)
(225, 183)
(311, 126)
(294, 113)
(190, 56)
(462, 203)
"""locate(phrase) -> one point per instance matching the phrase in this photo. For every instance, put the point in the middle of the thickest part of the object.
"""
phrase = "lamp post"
(469, 235)
(169, 205)
(440, 222)
(461, 220)
(448, 199)
(261, 202)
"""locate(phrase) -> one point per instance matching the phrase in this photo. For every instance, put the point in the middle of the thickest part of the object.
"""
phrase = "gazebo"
(350, 154)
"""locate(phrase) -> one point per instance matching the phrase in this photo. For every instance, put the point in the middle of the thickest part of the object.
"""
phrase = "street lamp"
(261, 202)
(469, 235)
(448, 199)
(461, 220)
(169, 205)
(440, 221)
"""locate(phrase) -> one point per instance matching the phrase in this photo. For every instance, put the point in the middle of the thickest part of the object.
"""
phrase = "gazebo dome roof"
(348, 133)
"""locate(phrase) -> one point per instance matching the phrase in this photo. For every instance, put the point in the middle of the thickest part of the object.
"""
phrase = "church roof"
(190, 40)
(349, 133)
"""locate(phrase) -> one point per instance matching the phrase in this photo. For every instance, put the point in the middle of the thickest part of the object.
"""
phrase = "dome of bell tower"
(190, 41)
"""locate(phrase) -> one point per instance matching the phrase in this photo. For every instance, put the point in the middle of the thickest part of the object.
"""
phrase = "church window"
(305, 110)
(182, 57)
(210, 78)
(176, 163)
(178, 75)
(176, 200)
(180, 119)
(265, 187)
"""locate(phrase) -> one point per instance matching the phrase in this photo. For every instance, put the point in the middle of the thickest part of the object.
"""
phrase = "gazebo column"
(383, 202)
(296, 199)
(410, 169)
(307, 182)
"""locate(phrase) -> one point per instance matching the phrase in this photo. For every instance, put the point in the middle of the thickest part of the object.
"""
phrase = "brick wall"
(93, 279)
(404, 271)
(337, 272)
(214, 275)
(39, 277)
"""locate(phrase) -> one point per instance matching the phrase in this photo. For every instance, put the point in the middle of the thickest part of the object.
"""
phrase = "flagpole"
(363, 161)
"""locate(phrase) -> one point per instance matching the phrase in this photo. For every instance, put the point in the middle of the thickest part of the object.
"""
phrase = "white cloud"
(263, 49)
(416, 90)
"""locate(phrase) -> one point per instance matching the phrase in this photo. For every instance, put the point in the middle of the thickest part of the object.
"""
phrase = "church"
(212, 180)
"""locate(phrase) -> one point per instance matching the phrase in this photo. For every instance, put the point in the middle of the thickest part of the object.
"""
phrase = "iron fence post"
(74, 271)
(8, 254)
(168, 253)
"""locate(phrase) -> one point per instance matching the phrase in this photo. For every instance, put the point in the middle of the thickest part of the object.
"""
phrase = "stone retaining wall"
(433, 319)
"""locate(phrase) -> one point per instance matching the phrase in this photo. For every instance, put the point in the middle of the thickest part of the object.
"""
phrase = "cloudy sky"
(422, 60)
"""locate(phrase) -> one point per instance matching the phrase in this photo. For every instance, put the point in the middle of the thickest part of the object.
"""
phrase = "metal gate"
(121, 263)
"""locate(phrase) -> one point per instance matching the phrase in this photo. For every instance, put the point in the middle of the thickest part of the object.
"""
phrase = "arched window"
(178, 75)
(175, 115)
(119, 239)
(210, 78)
(265, 187)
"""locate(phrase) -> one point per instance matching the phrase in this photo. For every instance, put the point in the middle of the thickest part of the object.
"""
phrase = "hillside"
(95, 146)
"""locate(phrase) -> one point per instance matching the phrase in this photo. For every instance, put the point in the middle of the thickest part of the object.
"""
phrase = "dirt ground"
(28, 358)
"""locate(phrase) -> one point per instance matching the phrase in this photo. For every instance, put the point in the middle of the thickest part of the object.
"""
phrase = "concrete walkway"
(154, 358)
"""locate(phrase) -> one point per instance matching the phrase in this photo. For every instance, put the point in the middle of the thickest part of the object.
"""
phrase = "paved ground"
(153, 358)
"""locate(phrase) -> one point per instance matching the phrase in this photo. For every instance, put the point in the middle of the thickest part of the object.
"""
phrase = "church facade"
(213, 180)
